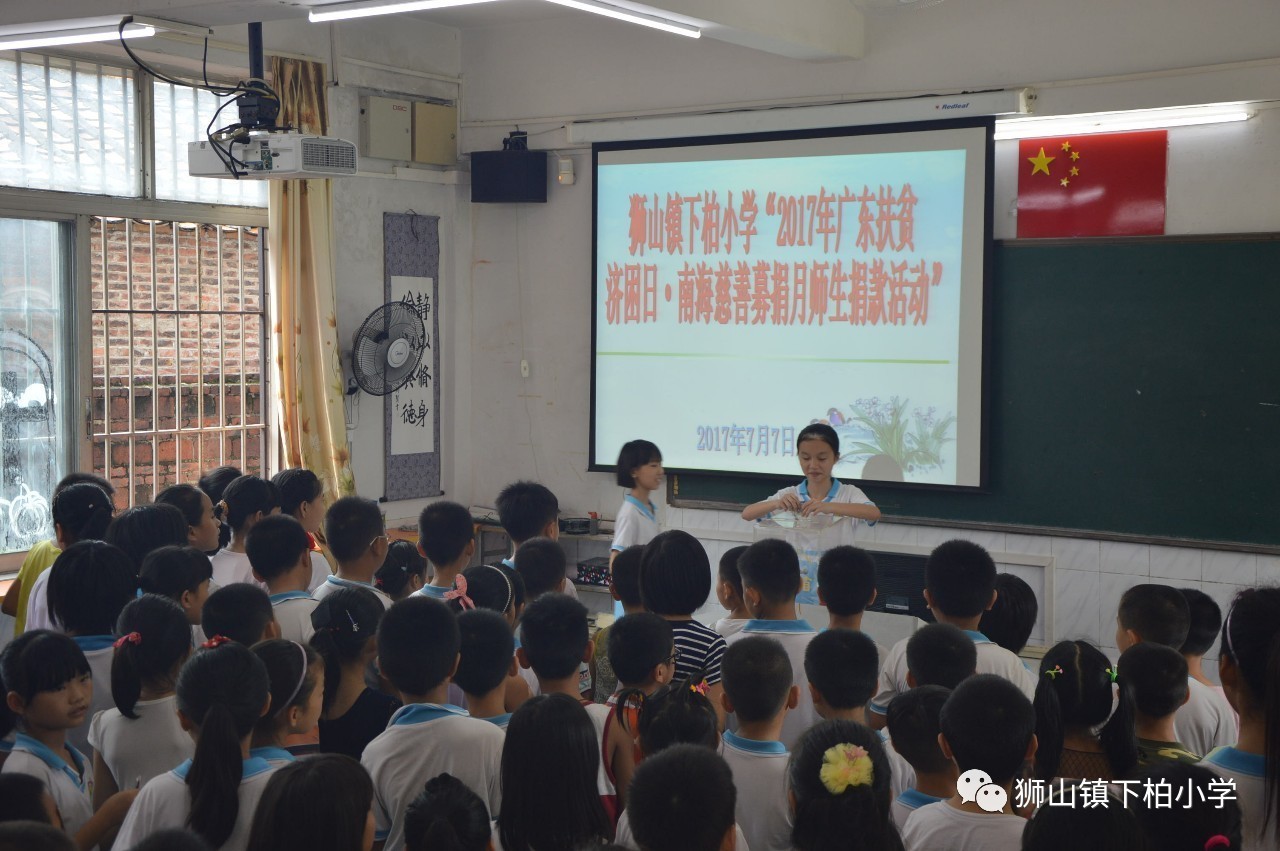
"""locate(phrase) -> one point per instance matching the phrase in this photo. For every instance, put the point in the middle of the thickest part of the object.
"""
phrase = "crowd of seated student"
(163, 696)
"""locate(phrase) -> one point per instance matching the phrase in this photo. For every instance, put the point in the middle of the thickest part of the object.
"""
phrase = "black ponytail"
(188, 499)
(1076, 688)
(296, 486)
(222, 690)
(1251, 640)
(154, 639)
(678, 713)
(403, 562)
(288, 667)
(344, 622)
(245, 497)
(829, 820)
(139, 530)
(446, 816)
(1119, 735)
(83, 512)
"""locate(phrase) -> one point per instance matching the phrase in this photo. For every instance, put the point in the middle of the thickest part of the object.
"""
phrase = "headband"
(511, 593)
(1226, 633)
(1216, 841)
(302, 678)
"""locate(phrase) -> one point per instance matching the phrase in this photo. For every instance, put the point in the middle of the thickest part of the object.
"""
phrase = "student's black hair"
(1155, 677)
(525, 509)
(847, 579)
(940, 654)
(155, 637)
(675, 713)
(1251, 641)
(402, 563)
(33, 836)
(245, 497)
(1011, 618)
(826, 821)
(344, 621)
(139, 530)
(1205, 622)
(820, 431)
(635, 453)
(541, 564)
(214, 483)
(1075, 689)
(275, 545)
(296, 486)
(637, 644)
(22, 798)
(625, 576)
(771, 567)
(188, 499)
(486, 645)
(83, 510)
(675, 574)
(447, 816)
(89, 583)
(554, 635)
(239, 611)
(844, 666)
(756, 675)
(1187, 826)
(489, 587)
(729, 567)
(351, 525)
(1157, 613)
(417, 644)
(961, 577)
(171, 571)
(519, 594)
(1062, 825)
(38, 660)
(549, 766)
(291, 672)
(172, 840)
(988, 723)
(912, 720)
(222, 690)
(315, 804)
(444, 530)
(682, 799)
(78, 478)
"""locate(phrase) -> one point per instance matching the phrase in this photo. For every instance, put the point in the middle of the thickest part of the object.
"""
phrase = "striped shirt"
(700, 648)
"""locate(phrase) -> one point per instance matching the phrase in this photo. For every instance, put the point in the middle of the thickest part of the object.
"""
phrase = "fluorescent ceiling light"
(1113, 122)
(88, 32)
(370, 8)
(617, 12)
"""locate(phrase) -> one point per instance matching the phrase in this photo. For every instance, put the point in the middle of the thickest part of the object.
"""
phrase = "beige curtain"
(300, 237)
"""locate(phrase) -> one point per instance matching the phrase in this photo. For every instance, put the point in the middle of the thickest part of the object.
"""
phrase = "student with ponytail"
(1249, 667)
(204, 526)
(302, 498)
(403, 573)
(317, 804)
(447, 816)
(183, 575)
(223, 689)
(1076, 695)
(214, 484)
(140, 737)
(81, 512)
(245, 501)
(296, 673)
(839, 780)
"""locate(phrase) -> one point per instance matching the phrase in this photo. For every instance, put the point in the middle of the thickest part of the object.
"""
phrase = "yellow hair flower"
(845, 765)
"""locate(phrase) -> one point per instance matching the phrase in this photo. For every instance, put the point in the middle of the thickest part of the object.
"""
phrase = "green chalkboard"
(1133, 390)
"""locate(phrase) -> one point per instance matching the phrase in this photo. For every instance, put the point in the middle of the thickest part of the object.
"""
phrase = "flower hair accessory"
(132, 638)
(216, 641)
(1216, 841)
(699, 688)
(845, 765)
(459, 593)
(1114, 673)
(1053, 672)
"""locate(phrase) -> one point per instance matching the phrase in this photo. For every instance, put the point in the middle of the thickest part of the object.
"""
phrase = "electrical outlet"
(524, 369)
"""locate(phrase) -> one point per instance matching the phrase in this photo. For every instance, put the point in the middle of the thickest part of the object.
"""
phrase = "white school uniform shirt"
(992, 659)
(1249, 771)
(71, 785)
(941, 827)
(626, 839)
(794, 636)
(292, 610)
(599, 714)
(137, 749)
(333, 583)
(730, 626)
(1206, 721)
(165, 803)
(229, 568)
(907, 803)
(99, 650)
(421, 741)
(433, 592)
(901, 775)
(274, 756)
(760, 776)
(637, 524)
(499, 721)
(38, 615)
(840, 492)
(320, 570)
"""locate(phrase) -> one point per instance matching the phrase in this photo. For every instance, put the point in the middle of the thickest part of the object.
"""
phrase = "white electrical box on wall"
(386, 128)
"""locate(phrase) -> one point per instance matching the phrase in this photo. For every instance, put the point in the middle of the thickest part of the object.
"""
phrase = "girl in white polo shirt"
(639, 470)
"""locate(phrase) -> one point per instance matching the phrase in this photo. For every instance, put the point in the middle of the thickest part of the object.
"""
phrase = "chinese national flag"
(1106, 184)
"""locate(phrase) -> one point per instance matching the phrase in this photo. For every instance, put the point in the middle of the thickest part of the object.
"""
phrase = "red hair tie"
(131, 638)
(1216, 841)
(216, 641)
(459, 593)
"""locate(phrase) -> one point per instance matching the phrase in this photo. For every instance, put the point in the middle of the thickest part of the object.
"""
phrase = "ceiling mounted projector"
(272, 155)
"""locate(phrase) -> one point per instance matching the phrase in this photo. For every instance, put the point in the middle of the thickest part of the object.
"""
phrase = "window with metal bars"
(178, 355)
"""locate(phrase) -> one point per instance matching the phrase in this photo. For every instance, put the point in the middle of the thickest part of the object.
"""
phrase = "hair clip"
(701, 688)
(1053, 672)
(355, 627)
(845, 765)
(216, 641)
(1114, 673)
(1216, 841)
(131, 638)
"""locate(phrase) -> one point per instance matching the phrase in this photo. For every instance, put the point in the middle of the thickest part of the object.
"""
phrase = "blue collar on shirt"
(89, 643)
(38, 749)
(271, 754)
(252, 767)
(978, 638)
(420, 713)
(289, 595)
(1234, 759)
(831, 494)
(433, 591)
(647, 510)
(499, 720)
(796, 626)
(915, 799)
(756, 746)
(509, 562)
